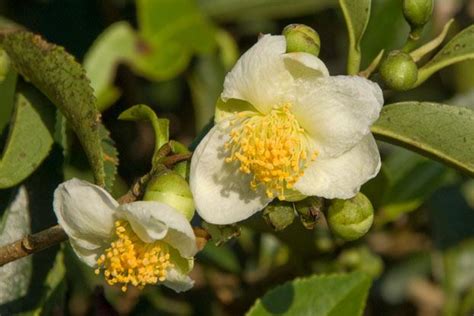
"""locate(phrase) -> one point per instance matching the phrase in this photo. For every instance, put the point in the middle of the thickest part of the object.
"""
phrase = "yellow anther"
(272, 147)
(129, 260)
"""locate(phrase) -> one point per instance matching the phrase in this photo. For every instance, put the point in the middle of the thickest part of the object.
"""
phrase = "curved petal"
(84, 210)
(343, 176)
(337, 112)
(228, 109)
(222, 193)
(259, 76)
(178, 281)
(305, 66)
(87, 252)
(157, 221)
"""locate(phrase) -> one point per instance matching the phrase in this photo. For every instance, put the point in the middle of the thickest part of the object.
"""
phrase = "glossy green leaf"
(460, 48)
(56, 74)
(14, 224)
(141, 112)
(172, 31)
(29, 140)
(7, 93)
(439, 131)
(356, 14)
(329, 295)
(117, 44)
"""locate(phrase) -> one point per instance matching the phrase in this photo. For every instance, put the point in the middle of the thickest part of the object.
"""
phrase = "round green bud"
(351, 219)
(309, 211)
(279, 215)
(171, 189)
(362, 259)
(417, 12)
(301, 38)
(399, 71)
(4, 64)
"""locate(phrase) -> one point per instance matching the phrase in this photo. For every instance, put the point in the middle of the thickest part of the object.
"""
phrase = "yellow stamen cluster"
(129, 260)
(272, 147)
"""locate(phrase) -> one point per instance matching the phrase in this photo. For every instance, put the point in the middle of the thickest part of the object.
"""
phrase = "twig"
(174, 159)
(31, 244)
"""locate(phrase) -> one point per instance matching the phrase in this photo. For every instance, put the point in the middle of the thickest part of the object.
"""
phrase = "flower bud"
(309, 211)
(279, 215)
(301, 38)
(417, 12)
(399, 71)
(170, 188)
(361, 259)
(4, 64)
(351, 219)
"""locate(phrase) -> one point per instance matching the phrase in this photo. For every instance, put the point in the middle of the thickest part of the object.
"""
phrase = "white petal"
(84, 211)
(305, 66)
(178, 281)
(88, 252)
(157, 221)
(259, 76)
(222, 193)
(343, 176)
(337, 111)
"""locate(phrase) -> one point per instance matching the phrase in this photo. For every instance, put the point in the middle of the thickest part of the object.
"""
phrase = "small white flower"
(135, 244)
(284, 128)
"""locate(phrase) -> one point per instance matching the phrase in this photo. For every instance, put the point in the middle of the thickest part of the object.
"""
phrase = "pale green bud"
(4, 64)
(279, 215)
(417, 12)
(361, 259)
(309, 211)
(399, 71)
(351, 219)
(170, 188)
(301, 38)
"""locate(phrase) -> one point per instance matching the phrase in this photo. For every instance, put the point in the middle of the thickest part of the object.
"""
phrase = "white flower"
(284, 128)
(135, 244)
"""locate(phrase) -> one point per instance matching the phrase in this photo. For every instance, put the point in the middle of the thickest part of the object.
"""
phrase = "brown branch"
(31, 244)
(174, 159)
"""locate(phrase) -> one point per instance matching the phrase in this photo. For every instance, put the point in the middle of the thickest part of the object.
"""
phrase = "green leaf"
(142, 112)
(117, 44)
(56, 74)
(439, 131)
(356, 14)
(29, 140)
(7, 94)
(172, 31)
(13, 226)
(110, 157)
(319, 295)
(460, 48)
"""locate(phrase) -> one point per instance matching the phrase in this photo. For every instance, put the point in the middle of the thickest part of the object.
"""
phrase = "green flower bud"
(361, 259)
(351, 219)
(399, 71)
(4, 64)
(309, 211)
(417, 12)
(301, 38)
(170, 188)
(279, 215)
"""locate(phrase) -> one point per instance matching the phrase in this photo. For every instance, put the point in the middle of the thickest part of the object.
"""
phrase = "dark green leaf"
(64, 82)
(29, 140)
(7, 93)
(439, 131)
(331, 295)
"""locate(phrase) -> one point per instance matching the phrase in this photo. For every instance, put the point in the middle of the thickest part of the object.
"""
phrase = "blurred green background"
(173, 57)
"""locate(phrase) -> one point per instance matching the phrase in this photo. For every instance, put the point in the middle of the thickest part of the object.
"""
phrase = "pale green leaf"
(117, 44)
(328, 295)
(439, 131)
(56, 74)
(172, 31)
(460, 48)
(29, 140)
(15, 276)
(141, 112)
(356, 14)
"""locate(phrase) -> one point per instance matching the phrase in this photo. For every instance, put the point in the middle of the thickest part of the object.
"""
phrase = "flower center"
(272, 147)
(129, 260)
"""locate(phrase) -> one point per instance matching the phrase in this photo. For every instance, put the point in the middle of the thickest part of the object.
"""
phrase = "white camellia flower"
(284, 129)
(135, 244)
